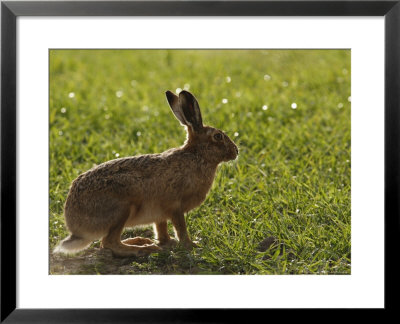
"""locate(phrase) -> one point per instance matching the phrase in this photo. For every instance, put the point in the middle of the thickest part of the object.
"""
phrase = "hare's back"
(117, 176)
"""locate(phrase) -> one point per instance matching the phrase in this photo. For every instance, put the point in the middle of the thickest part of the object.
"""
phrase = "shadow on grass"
(98, 261)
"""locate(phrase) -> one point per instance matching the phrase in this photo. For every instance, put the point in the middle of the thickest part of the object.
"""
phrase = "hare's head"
(212, 143)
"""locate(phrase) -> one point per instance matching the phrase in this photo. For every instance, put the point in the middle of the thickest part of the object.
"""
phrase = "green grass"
(291, 180)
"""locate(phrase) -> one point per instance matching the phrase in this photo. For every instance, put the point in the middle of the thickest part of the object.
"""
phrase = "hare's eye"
(218, 136)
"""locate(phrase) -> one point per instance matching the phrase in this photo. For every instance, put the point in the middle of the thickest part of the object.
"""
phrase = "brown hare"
(146, 189)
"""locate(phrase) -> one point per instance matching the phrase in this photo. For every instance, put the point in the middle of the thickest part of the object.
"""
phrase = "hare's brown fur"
(146, 189)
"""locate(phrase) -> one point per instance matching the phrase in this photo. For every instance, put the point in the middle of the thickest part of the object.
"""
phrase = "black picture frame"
(11, 10)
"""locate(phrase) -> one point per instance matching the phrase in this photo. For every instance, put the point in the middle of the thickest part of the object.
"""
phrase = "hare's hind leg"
(132, 221)
(113, 242)
(138, 241)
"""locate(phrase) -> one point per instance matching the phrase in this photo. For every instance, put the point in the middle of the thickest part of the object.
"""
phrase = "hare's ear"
(191, 110)
(173, 101)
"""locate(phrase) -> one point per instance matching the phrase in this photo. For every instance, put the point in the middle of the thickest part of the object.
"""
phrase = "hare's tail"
(72, 244)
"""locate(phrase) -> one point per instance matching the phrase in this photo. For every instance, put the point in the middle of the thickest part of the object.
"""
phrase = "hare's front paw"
(147, 249)
(189, 245)
(167, 244)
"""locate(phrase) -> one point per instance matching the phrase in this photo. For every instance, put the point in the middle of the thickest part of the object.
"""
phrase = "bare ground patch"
(92, 261)
(98, 261)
